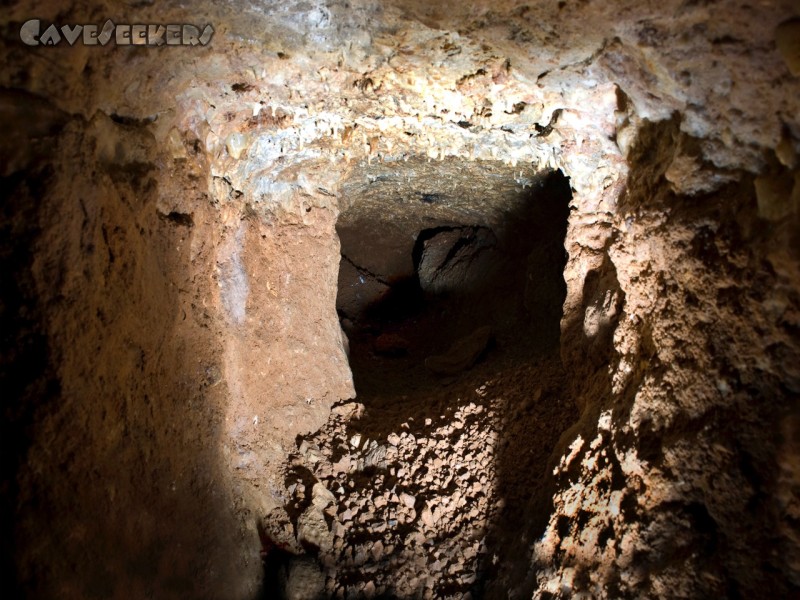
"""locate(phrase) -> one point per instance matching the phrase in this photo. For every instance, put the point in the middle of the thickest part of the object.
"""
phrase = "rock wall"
(115, 410)
(678, 482)
(170, 326)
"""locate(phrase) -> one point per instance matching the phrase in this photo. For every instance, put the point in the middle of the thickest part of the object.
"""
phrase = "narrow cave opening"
(450, 293)
(426, 297)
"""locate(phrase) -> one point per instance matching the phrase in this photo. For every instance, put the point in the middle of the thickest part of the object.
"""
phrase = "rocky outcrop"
(450, 259)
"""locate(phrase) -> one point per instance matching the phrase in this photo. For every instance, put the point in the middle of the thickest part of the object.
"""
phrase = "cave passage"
(451, 305)
(309, 310)
(435, 295)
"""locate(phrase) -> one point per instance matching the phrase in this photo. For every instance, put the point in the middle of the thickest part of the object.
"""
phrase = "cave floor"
(426, 478)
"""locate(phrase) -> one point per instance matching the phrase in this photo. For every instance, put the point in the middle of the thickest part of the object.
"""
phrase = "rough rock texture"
(680, 471)
(428, 483)
(450, 260)
(170, 259)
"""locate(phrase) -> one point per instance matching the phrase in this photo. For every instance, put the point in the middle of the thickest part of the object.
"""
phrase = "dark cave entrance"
(425, 298)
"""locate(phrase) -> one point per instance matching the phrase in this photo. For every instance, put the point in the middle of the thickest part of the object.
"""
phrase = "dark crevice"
(178, 218)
